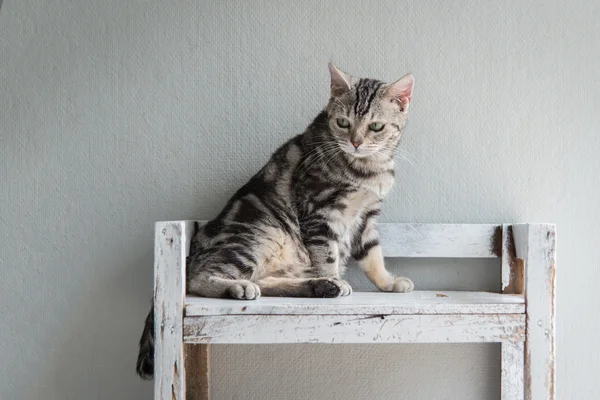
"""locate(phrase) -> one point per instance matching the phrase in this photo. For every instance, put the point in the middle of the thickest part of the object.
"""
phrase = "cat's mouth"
(358, 152)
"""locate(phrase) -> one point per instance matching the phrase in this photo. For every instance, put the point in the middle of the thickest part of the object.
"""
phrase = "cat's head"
(367, 116)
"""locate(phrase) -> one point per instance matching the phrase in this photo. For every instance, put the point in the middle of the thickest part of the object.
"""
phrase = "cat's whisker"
(398, 150)
(408, 160)
(412, 161)
(401, 154)
(316, 149)
(336, 152)
(302, 168)
(329, 153)
(407, 154)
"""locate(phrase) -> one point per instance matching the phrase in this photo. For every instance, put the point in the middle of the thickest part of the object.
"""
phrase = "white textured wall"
(114, 114)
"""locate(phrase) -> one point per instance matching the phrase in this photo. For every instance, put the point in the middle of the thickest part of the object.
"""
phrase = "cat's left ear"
(401, 91)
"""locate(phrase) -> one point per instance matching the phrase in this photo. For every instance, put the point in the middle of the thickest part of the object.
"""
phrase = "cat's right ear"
(340, 81)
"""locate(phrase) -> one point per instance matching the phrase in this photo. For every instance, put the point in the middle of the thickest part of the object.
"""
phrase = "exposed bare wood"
(418, 302)
(171, 245)
(507, 255)
(512, 371)
(512, 267)
(197, 371)
(536, 244)
(355, 328)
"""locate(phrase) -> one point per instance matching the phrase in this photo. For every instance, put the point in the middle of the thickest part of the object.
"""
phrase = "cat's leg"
(303, 287)
(369, 256)
(210, 283)
(373, 266)
(324, 253)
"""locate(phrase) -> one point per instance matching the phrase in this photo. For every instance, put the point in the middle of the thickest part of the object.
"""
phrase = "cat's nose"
(356, 144)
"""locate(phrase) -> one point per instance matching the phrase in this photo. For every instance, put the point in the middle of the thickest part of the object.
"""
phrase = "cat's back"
(261, 215)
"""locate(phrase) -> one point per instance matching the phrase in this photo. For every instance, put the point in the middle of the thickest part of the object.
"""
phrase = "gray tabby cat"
(290, 230)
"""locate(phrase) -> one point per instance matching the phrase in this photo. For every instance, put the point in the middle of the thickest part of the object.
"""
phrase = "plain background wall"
(114, 114)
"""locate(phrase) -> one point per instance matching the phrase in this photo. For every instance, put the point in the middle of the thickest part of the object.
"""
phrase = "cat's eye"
(343, 122)
(376, 126)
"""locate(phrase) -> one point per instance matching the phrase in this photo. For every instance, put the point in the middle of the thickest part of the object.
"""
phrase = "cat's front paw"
(330, 287)
(345, 287)
(244, 290)
(402, 285)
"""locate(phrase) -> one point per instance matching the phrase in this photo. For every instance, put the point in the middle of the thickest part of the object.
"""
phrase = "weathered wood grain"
(169, 291)
(438, 240)
(355, 328)
(536, 244)
(513, 371)
(197, 371)
(417, 302)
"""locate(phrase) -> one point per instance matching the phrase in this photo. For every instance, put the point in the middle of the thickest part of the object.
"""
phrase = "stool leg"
(169, 291)
(536, 245)
(197, 375)
(513, 363)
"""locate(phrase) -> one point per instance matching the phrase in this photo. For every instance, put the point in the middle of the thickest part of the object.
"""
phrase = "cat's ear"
(401, 91)
(340, 81)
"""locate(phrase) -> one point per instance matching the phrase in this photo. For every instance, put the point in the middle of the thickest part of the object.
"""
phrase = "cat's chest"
(356, 202)
(380, 186)
(346, 222)
(366, 197)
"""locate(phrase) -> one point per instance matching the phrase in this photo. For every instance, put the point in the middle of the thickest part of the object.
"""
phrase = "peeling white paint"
(417, 302)
(362, 328)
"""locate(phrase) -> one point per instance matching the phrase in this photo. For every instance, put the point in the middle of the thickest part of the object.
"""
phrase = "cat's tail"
(145, 361)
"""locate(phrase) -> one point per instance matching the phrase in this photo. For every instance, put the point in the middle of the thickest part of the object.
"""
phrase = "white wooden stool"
(521, 318)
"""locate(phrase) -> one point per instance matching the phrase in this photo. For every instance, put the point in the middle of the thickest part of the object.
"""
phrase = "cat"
(290, 230)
